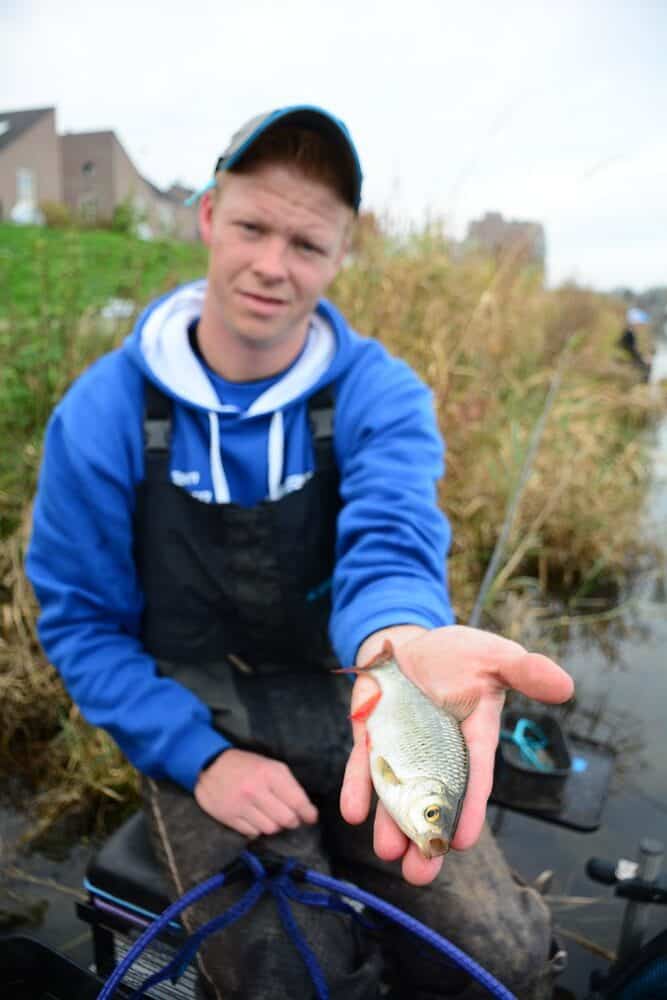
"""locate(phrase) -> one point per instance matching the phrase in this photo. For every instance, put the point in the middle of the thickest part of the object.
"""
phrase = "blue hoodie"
(230, 442)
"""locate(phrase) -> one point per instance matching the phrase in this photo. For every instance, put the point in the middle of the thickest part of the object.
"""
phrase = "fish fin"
(361, 713)
(387, 771)
(462, 705)
(384, 656)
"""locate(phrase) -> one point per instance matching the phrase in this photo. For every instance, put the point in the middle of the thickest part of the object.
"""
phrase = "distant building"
(524, 240)
(30, 163)
(90, 172)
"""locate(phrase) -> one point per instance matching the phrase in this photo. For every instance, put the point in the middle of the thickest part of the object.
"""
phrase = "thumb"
(537, 677)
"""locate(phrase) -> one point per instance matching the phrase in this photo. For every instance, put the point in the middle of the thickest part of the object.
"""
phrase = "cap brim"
(304, 115)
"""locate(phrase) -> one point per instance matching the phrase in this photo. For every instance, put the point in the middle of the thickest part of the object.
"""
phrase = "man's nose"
(270, 260)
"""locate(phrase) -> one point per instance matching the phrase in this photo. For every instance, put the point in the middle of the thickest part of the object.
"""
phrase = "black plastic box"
(31, 971)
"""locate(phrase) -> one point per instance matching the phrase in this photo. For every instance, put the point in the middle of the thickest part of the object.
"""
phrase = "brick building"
(90, 172)
(524, 240)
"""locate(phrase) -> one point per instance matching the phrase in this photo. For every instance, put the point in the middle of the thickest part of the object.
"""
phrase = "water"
(621, 683)
(621, 677)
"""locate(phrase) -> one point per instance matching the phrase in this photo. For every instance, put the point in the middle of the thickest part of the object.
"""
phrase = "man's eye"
(308, 248)
(249, 227)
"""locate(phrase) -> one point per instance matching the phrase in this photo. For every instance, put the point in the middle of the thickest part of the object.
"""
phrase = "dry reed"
(487, 337)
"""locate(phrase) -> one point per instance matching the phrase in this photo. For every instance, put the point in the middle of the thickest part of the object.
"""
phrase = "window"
(4, 127)
(88, 169)
(25, 184)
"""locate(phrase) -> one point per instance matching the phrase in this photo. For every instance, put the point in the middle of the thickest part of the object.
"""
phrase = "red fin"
(361, 714)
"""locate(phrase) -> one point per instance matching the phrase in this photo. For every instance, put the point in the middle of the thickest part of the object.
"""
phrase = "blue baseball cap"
(303, 116)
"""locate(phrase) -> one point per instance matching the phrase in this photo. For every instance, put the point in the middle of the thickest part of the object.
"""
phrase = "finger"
(356, 790)
(243, 827)
(285, 817)
(481, 734)
(259, 820)
(286, 788)
(364, 689)
(418, 870)
(389, 841)
(537, 677)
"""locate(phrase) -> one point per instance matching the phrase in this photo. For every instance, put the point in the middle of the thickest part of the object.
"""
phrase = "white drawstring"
(276, 457)
(276, 454)
(220, 487)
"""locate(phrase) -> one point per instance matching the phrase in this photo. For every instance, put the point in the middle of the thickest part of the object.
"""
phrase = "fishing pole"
(513, 505)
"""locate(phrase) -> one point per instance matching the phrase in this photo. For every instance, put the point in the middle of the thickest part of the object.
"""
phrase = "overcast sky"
(553, 111)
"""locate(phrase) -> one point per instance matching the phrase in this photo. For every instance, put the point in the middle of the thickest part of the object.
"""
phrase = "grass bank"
(485, 335)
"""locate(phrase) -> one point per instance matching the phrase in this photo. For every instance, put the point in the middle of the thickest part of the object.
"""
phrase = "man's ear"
(206, 212)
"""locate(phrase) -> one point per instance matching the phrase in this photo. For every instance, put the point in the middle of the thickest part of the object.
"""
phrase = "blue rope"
(439, 943)
(289, 923)
(282, 888)
(152, 931)
(176, 967)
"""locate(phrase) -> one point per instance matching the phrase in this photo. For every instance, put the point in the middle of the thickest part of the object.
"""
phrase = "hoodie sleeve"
(392, 537)
(81, 567)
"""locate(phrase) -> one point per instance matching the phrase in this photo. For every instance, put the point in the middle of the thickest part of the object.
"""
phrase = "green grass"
(53, 269)
(54, 284)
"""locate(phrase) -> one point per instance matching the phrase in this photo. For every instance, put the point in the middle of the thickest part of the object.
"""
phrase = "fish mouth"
(435, 847)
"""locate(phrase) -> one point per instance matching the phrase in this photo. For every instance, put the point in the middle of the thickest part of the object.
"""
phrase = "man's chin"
(266, 332)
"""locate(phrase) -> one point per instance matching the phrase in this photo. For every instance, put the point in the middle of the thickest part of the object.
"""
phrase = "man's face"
(276, 241)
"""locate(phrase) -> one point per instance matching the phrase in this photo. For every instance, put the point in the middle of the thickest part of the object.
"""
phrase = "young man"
(246, 484)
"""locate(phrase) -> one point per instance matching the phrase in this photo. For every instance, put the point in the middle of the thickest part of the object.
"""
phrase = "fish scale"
(413, 733)
(418, 755)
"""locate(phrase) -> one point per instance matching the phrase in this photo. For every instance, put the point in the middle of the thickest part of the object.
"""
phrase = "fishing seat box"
(29, 970)
(126, 892)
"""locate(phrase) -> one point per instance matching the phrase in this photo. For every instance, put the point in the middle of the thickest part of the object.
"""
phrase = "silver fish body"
(418, 758)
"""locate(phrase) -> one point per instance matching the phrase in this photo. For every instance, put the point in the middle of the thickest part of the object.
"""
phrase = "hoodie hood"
(160, 344)
(161, 347)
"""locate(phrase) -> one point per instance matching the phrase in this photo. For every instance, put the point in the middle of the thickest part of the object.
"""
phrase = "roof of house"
(17, 122)
(175, 193)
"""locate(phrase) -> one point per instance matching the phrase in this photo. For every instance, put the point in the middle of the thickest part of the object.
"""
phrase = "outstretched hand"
(446, 662)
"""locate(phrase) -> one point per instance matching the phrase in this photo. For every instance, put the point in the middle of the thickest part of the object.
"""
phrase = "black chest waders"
(236, 610)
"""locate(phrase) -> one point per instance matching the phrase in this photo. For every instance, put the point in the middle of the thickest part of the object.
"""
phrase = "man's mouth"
(263, 301)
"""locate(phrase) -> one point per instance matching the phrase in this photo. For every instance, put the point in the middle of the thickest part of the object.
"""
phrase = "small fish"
(418, 755)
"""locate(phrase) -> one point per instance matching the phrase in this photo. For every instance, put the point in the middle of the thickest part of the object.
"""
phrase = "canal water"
(620, 669)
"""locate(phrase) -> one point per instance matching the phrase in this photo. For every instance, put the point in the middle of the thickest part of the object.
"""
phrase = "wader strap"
(321, 418)
(157, 432)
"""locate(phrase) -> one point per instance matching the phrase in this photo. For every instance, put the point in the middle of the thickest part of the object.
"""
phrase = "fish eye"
(432, 814)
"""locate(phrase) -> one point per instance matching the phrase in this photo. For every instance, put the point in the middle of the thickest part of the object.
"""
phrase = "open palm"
(445, 663)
